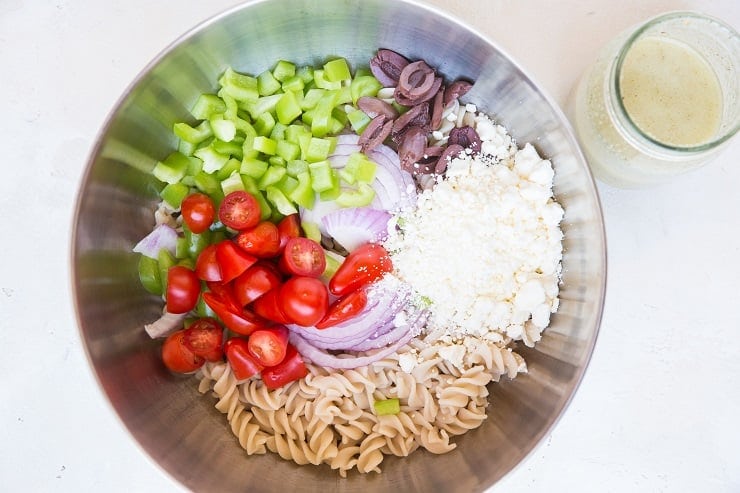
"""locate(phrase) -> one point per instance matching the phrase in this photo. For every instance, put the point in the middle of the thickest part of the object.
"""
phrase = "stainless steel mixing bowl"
(178, 427)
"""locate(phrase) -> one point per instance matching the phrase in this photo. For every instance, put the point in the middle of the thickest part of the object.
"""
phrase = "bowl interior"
(178, 427)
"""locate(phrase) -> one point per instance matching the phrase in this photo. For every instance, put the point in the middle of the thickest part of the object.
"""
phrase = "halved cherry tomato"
(226, 293)
(268, 306)
(304, 300)
(239, 210)
(206, 266)
(183, 289)
(344, 308)
(243, 322)
(289, 227)
(303, 257)
(254, 282)
(204, 338)
(262, 241)
(177, 357)
(232, 260)
(362, 266)
(198, 212)
(241, 361)
(268, 346)
(291, 368)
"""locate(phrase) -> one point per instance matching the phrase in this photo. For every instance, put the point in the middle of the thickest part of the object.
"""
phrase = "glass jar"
(659, 100)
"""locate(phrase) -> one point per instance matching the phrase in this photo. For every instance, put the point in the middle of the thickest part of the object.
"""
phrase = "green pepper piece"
(149, 275)
(193, 135)
(287, 108)
(174, 193)
(173, 168)
(267, 84)
(196, 242)
(165, 260)
(253, 167)
(207, 105)
(360, 197)
(283, 70)
(364, 86)
(387, 407)
(337, 70)
(303, 194)
(280, 201)
(239, 86)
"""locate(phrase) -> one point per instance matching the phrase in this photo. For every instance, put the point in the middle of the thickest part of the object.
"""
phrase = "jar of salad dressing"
(660, 100)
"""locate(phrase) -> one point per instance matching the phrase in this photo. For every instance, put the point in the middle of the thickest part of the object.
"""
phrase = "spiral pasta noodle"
(329, 418)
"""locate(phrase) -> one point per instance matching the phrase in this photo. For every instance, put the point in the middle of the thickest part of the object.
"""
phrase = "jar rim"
(617, 92)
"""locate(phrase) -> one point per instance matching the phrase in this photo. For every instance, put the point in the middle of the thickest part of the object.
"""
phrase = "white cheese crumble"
(483, 246)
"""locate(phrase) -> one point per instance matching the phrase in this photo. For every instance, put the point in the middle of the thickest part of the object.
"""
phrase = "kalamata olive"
(411, 148)
(456, 90)
(417, 116)
(416, 79)
(375, 133)
(451, 152)
(374, 107)
(466, 137)
(437, 110)
(386, 66)
(403, 99)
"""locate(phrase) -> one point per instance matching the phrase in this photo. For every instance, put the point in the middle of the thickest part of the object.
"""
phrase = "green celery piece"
(232, 183)
(196, 242)
(360, 197)
(223, 129)
(280, 201)
(287, 108)
(278, 132)
(359, 168)
(230, 167)
(192, 135)
(365, 85)
(267, 84)
(387, 407)
(264, 124)
(293, 84)
(358, 120)
(311, 231)
(174, 193)
(311, 97)
(322, 82)
(149, 275)
(303, 194)
(295, 167)
(264, 145)
(277, 161)
(283, 70)
(241, 87)
(273, 175)
(337, 70)
(206, 183)
(212, 160)
(173, 168)
(321, 175)
(165, 260)
(288, 150)
(228, 148)
(305, 73)
(287, 184)
(207, 105)
(253, 167)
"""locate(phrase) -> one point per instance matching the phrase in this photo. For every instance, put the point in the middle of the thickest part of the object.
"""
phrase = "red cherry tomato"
(304, 300)
(241, 361)
(183, 289)
(254, 282)
(268, 306)
(204, 338)
(289, 227)
(239, 210)
(303, 257)
(177, 357)
(243, 322)
(206, 266)
(198, 212)
(364, 265)
(344, 308)
(232, 260)
(268, 346)
(290, 369)
(262, 241)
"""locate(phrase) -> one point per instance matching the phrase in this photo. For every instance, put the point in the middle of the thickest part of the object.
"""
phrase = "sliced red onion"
(165, 325)
(163, 236)
(322, 358)
(355, 226)
(393, 331)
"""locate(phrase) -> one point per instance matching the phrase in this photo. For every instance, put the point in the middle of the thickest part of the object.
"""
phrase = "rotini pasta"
(328, 417)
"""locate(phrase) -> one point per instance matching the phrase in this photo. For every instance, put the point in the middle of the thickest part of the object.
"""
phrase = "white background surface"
(658, 408)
